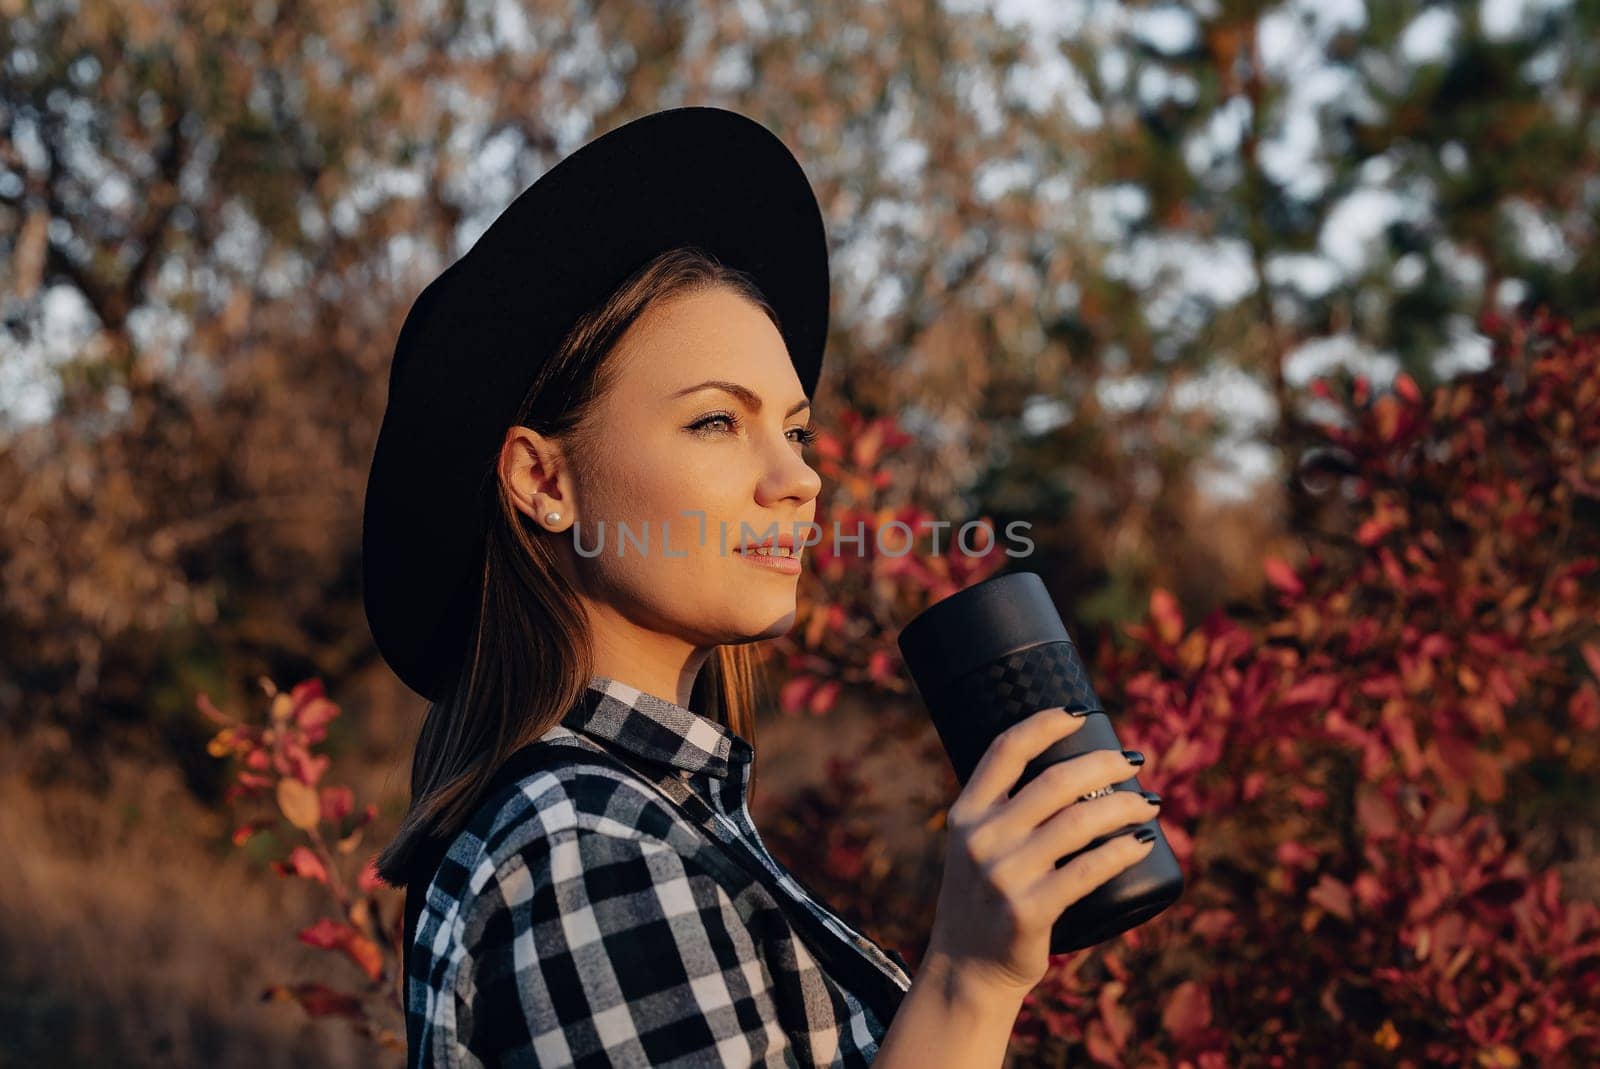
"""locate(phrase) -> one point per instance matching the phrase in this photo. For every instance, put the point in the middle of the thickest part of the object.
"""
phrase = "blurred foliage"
(1379, 784)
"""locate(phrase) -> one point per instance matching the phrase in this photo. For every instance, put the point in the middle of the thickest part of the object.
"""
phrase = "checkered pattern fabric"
(575, 921)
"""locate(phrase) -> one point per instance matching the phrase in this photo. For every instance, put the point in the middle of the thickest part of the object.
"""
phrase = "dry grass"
(134, 934)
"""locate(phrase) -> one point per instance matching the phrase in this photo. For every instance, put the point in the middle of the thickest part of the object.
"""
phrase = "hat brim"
(474, 338)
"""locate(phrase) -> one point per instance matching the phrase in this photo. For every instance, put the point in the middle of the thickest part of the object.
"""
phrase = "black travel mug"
(996, 653)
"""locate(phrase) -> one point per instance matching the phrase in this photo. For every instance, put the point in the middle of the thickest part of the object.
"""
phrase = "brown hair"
(530, 655)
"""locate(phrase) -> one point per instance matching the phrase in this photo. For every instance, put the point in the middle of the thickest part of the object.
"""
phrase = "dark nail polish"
(1145, 835)
(1152, 797)
(1134, 757)
(1079, 713)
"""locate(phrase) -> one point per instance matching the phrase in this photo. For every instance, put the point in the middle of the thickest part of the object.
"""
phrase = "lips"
(771, 556)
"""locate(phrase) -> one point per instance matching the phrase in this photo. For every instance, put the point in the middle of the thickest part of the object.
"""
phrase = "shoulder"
(574, 789)
(574, 796)
(580, 839)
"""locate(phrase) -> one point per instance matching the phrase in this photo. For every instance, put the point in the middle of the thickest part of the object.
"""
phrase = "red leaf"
(328, 1003)
(365, 953)
(1406, 387)
(1591, 657)
(1369, 890)
(1282, 576)
(1375, 815)
(1115, 1016)
(317, 1000)
(313, 717)
(828, 446)
(337, 802)
(1372, 531)
(824, 698)
(881, 667)
(202, 702)
(1166, 616)
(1333, 896)
(1312, 692)
(326, 934)
(846, 860)
(304, 862)
(304, 693)
(1310, 798)
(792, 697)
(1188, 1010)
(865, 448)
(1291, 854)
(1583, 708)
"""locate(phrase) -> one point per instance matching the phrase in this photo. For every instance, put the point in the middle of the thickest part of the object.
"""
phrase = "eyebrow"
(742, 393)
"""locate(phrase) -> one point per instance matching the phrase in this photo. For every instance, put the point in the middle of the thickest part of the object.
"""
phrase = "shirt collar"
(656, 729)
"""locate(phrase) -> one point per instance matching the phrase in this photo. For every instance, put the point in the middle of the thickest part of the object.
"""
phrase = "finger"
(1080, 825)
(1061, 887)
(1008, 754)
(1071, 780)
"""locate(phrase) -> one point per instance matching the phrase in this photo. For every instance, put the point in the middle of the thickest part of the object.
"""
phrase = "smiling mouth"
(768, 551)
(777, 559)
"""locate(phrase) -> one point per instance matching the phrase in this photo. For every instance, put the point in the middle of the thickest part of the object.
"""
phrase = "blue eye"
(716, 417)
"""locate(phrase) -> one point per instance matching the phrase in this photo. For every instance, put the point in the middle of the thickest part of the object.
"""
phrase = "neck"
(646, 660)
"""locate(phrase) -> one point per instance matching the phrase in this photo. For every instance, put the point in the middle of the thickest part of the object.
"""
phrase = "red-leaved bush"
(1363, 783)
(278, 770)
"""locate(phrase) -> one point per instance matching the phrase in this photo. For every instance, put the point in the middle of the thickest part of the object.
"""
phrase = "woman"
(595, 438)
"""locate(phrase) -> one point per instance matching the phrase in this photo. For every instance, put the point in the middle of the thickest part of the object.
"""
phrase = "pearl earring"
(552, 517)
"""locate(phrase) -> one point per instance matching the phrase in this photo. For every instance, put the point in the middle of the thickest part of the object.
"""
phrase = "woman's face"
(692, 472)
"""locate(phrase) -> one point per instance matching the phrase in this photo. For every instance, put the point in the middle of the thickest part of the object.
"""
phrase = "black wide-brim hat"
(476, 335)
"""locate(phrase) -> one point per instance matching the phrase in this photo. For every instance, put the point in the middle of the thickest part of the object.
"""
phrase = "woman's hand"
(1001, 891)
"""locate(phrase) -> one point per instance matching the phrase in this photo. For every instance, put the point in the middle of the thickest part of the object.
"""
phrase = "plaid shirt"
(572, 922)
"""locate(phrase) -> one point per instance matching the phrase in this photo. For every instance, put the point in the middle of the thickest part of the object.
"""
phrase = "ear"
(536, 471)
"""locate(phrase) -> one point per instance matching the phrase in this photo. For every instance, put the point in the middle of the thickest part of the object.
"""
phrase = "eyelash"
(808, 433)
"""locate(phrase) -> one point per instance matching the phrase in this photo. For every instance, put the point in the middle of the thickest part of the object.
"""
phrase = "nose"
(786, 477)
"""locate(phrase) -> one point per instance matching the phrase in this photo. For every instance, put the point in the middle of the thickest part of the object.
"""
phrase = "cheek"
(682, 505)
(686, 491)
(631, 486)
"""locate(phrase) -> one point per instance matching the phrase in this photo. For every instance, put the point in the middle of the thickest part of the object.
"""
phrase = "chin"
(755, 627)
